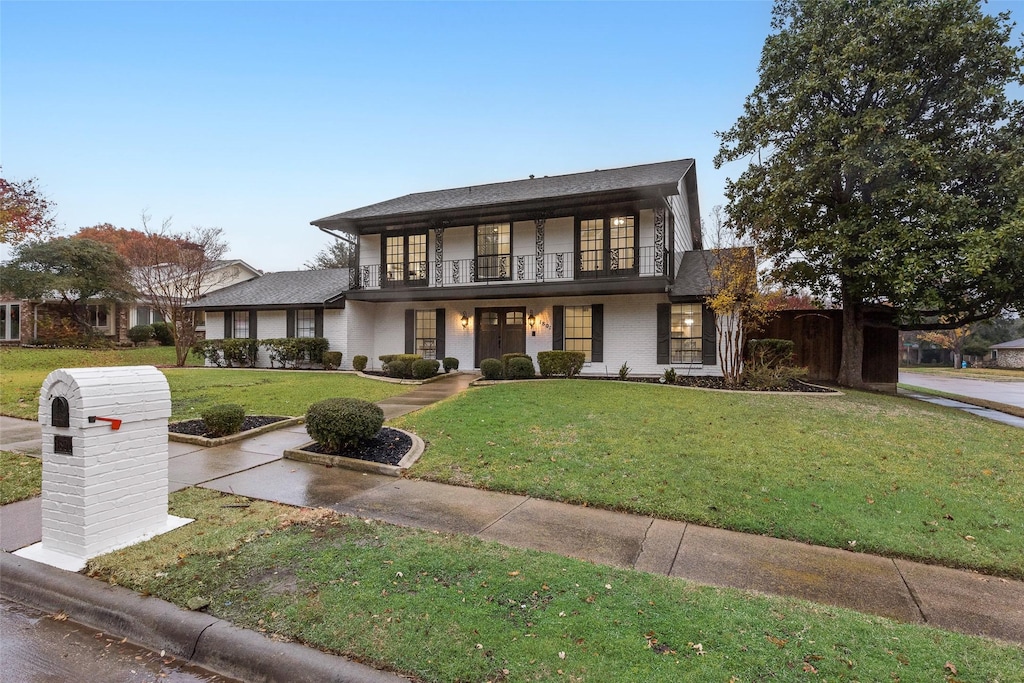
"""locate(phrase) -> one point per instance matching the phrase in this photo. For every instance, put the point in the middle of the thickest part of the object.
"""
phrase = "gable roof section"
(282, 290)
(629, 182)
(693, 280)
(1012, 344)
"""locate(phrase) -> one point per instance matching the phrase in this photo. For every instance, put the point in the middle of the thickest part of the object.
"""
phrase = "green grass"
(455, 608)
(21, 477)
(192, 389)
(880, 474)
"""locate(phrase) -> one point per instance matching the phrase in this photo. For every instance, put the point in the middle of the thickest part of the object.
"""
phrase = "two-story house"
(606, 262)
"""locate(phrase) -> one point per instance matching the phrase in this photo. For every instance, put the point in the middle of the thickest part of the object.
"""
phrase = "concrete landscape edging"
(196, 637)
(239, 436)
(415, 451)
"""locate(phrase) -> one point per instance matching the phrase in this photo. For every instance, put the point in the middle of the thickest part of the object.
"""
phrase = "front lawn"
(454, 608)
(260, 392)
(21, 477)
(867, 472)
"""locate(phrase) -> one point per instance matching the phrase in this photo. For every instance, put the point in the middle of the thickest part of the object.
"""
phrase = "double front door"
(499, 331)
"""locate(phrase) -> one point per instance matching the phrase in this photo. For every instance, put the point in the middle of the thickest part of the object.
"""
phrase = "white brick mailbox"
(104, 462)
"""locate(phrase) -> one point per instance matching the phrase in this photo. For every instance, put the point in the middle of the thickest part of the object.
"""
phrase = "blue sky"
(258, 117)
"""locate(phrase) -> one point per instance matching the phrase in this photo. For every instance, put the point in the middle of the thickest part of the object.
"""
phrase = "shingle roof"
(289, 288)
(693, 279)
(515, 191)
(1012, 344)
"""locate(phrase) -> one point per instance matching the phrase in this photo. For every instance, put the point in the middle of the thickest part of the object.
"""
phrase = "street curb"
(157, 625)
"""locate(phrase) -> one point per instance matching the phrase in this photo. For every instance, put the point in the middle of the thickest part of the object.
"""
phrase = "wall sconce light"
(531, 319)
(464, 320)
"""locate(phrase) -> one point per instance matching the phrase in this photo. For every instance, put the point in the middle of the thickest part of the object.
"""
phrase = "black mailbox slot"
(62, 445)
(60, 413)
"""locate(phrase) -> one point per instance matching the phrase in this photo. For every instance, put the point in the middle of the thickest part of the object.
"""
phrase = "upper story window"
(405, 259)
(305, 323)
(493, 251)
(607, 246)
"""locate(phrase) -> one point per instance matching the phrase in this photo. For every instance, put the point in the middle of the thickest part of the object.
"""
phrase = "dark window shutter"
(597, 333)
(439, 335)
(410, 330)
(708, 332)
(252, 324)
(290, 325)
(318, 322)
(557, 328)
(228, 323)
(664, 333)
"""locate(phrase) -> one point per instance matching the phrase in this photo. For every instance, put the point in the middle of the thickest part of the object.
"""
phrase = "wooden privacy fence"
(817, 339)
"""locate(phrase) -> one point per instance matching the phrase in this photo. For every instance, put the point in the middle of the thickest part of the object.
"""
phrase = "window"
(607, 246)
(426, 333)
(145, 315)
(579, 330)
(10, 322)
(493, 251)
(686, 341)
(239, 324)
(98, 316)
(305, 323)
(405, 259)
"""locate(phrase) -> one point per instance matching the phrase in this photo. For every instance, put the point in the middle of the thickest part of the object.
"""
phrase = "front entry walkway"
(907, 591)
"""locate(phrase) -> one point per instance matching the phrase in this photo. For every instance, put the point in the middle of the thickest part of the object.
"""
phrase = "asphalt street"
(1010, 392)
(40, 649)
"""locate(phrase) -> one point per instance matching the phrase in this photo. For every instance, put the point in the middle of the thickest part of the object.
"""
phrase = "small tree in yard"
(171, 270)
(74, 270)
(886, 161)
(25, 212)
(734, 296)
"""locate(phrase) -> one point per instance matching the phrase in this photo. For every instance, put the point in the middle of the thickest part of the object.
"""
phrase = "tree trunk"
(851, 364)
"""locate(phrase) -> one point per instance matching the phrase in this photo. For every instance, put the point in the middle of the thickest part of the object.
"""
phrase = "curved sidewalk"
(956, 600)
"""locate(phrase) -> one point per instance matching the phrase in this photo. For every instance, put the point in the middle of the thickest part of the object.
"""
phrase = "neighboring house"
(22, 318)
(1008, 354)
(606, 262)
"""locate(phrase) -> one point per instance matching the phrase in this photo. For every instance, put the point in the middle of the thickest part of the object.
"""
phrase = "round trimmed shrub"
(359, 362)
(340, 423)
(451, 364)
(491, 368)
(520, 368)
(162, 333)
(397, 368)
(223, 419)
(140, 333)
(332, 360)
(424, 368)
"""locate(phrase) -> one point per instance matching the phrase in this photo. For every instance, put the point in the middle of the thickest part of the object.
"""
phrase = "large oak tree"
(886, 161)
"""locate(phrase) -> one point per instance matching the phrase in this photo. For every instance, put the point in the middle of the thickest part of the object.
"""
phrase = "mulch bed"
(703, 382)
(198, 427)
(387, 448)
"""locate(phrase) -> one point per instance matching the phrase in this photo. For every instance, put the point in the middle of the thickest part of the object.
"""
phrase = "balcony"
(503, 270)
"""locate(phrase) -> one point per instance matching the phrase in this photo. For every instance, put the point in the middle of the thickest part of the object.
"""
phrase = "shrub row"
(560, 363)
(511, 366)
(241, 353)
(409, 366)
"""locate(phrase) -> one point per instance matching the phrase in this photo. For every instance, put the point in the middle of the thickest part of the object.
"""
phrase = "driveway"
(1010, 392)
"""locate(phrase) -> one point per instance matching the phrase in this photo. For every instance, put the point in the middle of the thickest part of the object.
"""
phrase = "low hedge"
(424, 368)
(451, 364)
(560, 363)
(519, 368)
(140, 333)
(491, 368)
(162, 333)
(399, 365)
(291, 351)
(224, 419)
(359, 362)
(332, 360)
(231, 353)
(506, 357)
(340, 423)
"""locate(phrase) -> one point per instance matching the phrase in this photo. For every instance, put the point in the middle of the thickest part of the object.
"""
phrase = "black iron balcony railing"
(497, 270)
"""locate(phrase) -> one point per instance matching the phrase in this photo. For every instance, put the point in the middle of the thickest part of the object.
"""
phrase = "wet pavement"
(987, 413)
(40, 649)
(907, 591)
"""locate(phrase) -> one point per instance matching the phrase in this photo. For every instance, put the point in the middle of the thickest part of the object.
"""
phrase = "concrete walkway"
(956, 600)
